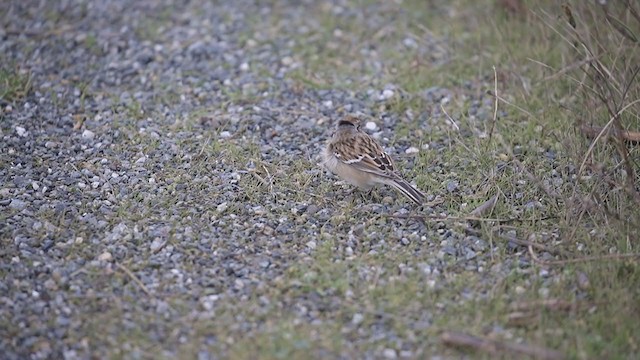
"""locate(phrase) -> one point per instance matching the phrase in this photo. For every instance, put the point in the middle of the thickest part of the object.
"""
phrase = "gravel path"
(159, 187)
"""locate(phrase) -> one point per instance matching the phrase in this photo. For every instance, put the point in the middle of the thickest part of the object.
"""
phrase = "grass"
(14, 85)
(368, 290)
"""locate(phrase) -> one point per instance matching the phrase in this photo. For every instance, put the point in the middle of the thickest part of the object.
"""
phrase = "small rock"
(357, 319)
(544, 273)
(244, 66)
(311, 245)
(287, 60)
(408, 354)
(156, 244)
(452, 186)
(222, 207)
(412, 150)
(50, 284)
(105, 256)
(225, 134)
(389, 354)
(17, 204)
(208, 301)
(22, 132)
(88, 135)
(370, 125)
(469, 254)
(583, 281)
(311, 209)
(386, 94)
(238, 284)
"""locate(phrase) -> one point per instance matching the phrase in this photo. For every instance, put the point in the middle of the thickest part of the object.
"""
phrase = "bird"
(358, 159)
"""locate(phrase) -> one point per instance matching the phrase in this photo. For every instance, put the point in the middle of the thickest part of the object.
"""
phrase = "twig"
(449, 117)
(462, 218)
(134, 278)
(510, 103)
(528, 243)
(258, 177)
(485, 207)
(204, 146)
(551, 304)
(270, 179)
(159, 248)
(521, 318)
(600, 134)
(582, 259)
(495, 102)
(564, 70)
(496, 347)
(593, 131)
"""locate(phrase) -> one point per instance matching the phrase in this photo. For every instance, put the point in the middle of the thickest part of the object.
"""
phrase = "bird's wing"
(363, 153)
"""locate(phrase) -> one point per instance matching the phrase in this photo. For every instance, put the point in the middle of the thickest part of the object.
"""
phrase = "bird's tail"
(408, 190)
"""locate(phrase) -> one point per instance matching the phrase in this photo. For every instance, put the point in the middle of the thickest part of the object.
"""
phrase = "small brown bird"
(358, 159)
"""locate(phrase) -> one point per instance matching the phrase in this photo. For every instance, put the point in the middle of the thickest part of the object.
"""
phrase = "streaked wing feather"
(365, 154)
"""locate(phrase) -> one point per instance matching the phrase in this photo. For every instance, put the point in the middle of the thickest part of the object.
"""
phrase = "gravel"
(163, 170)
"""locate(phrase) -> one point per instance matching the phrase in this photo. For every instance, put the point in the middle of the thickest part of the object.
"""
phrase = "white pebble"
(208, 302)
(348, 251)
(222, 207)
(411, 150)
(389, 354)
(105, 256)
(244, 66)
(311, 245)
(88, 134)
(357, 319)
(386, 94)
(225, 134)
(35, 185)
(156, 244)
(327, 103)
(287, 60)
(370, 125)
(22, 132)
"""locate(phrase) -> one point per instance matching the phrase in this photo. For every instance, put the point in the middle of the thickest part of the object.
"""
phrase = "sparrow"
(357, 158)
